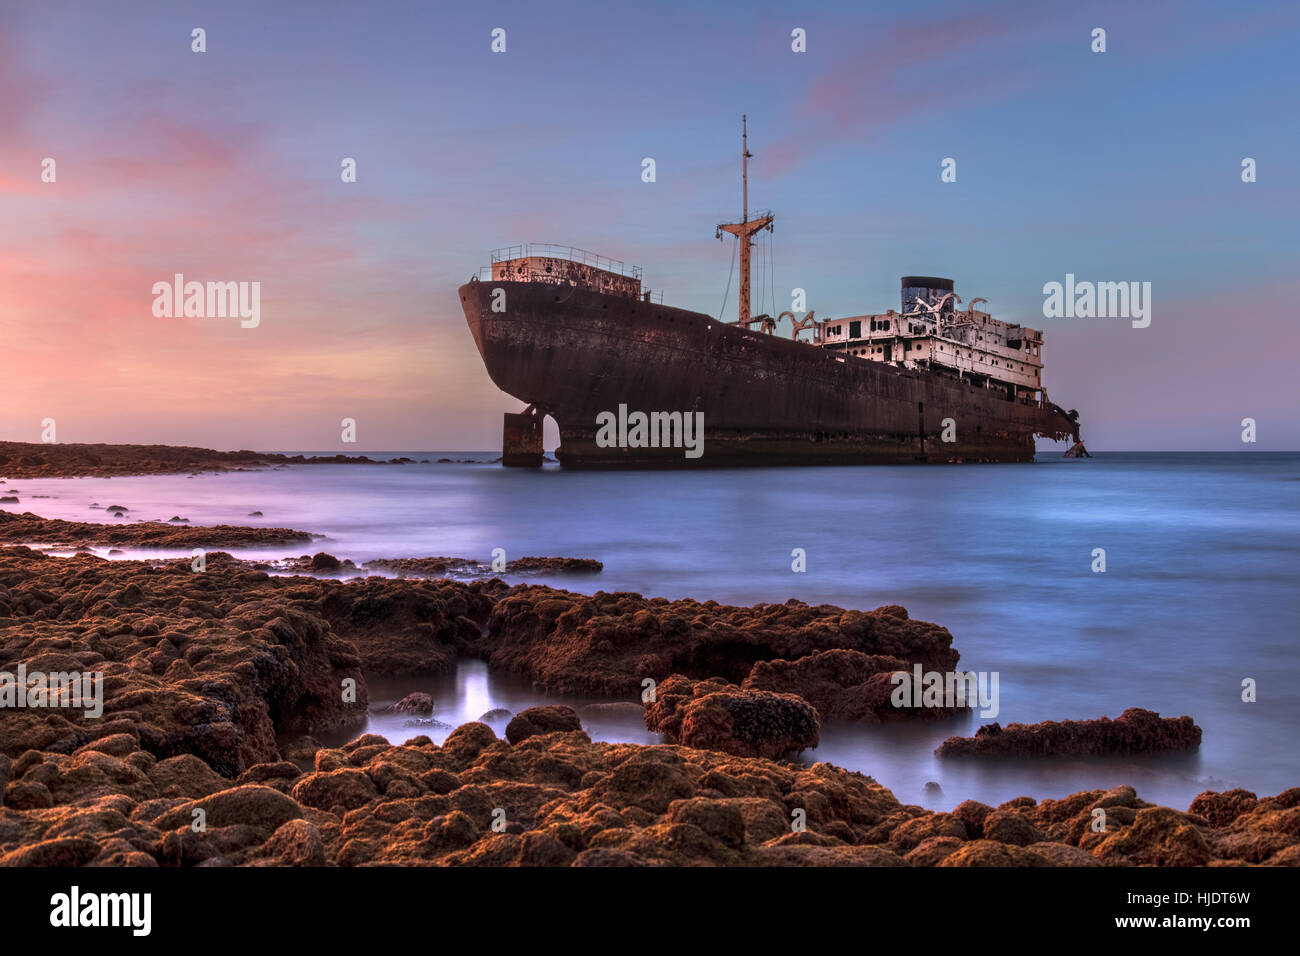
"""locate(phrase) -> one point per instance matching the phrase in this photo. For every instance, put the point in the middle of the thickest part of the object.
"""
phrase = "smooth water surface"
(1202, 553)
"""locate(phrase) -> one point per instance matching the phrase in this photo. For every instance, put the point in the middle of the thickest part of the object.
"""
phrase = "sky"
(225, 166)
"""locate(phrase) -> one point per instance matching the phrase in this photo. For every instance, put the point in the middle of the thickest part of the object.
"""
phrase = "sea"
(1196, 612)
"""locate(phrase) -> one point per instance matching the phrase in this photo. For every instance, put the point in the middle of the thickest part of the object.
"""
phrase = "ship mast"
(746, 228)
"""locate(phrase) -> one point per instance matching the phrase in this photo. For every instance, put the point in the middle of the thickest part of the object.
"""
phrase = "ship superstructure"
(931, 334)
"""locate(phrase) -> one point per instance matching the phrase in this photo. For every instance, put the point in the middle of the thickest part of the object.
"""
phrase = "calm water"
(1202, 554)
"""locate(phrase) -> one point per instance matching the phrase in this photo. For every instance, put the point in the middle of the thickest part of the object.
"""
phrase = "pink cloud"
(912, 69)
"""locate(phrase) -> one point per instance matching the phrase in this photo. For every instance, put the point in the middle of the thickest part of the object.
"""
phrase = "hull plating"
(575, 353)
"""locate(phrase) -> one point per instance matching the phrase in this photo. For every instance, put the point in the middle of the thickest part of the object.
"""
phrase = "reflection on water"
(1199, 593)
(899, 755)
(469, 692)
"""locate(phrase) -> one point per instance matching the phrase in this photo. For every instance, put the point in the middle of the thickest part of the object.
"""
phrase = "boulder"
(714, 715)
(1134, 731)
(418, 703)
(542, 720)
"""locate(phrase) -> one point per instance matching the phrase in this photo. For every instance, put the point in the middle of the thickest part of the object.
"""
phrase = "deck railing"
(550, 250)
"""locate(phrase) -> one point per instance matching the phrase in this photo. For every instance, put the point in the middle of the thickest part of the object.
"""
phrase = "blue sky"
(1114, 166)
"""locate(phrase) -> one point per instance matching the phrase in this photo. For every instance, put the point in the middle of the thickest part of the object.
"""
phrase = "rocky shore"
(54, 460)
(1135, 731)
(439, 566)
(178, 535)
(28, 528)
(205, 673)
(610, 642)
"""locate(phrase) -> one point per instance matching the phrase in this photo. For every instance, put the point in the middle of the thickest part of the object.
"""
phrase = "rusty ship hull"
(572, 353)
